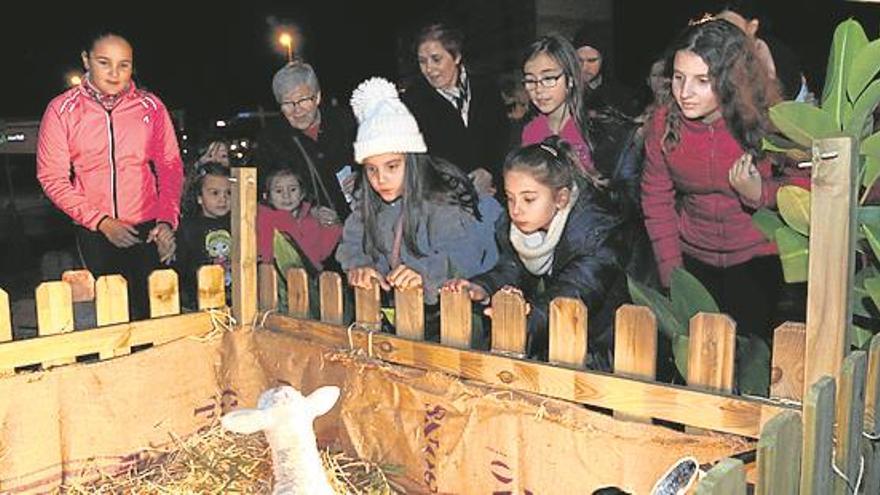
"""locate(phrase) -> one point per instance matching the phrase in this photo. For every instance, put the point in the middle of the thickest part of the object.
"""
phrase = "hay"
(216, 462)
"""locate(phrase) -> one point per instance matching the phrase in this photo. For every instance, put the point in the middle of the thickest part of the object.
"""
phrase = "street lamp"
(286, 41)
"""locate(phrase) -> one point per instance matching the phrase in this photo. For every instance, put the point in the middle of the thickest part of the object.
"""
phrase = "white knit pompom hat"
(385, 124)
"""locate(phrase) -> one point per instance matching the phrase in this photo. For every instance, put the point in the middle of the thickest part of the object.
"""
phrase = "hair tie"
(549, 149)
(706, 17)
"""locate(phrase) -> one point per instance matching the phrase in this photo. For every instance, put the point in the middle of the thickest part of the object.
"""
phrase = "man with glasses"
(313, 139)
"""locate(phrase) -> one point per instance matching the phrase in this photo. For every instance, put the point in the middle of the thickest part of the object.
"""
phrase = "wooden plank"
(871, 445)
(367, 306)
(779, 456)
(63, 347)
(818, 418)
(267, 293)
(832, 231)
(711, 352)
(455, 319)
(5, 318)
(850, 419)
(726, 478)
(211, 287)
(244, 247)
(635, 348)
(787, 370)
(721, 412)
(164, 293)
(298, 292)
(330, 287)
(82, 284)
(409, 313)
(111, 307)
(508, 323)
(55, 313)
(568, 332)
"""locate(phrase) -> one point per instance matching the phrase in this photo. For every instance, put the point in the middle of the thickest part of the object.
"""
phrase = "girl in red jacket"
(706, 173)
(108, 157)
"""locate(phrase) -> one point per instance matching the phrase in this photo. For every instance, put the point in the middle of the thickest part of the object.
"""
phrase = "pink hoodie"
(110, 154)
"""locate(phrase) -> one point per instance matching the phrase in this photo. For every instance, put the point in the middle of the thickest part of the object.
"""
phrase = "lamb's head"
(282, 407)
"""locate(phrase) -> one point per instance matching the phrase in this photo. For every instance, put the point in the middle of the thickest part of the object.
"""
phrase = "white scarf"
(536, 249)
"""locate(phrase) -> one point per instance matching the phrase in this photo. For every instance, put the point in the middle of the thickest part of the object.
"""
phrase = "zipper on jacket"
(112, 149)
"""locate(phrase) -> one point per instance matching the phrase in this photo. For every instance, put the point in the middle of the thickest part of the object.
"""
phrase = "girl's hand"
(745, 179)
(163, 236)
(325, 215)
(475, 292)
(362, 278)
(119, 233)
(216, 152)
(509, 289)
(404, 277)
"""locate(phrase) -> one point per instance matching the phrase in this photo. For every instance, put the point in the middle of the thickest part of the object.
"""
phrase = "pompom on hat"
(385, 124)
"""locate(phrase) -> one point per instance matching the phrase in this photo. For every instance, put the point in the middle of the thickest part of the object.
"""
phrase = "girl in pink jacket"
(705, 173)
(108, 157)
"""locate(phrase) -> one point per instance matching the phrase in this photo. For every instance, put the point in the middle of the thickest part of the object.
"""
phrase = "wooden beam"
(721, 412)
(711, 352)
(409, 313)
(726, 478)
(5, 317)
(111, 307)
(635, 348)
(779, 456)
(508, 323)
(568, 332)
(164, 293)
(54, 313)
(832, 257)
(267, 291)
(82, 284)
(818, 419)
(871, 448)
(850, 420)
(298, 293)
(455, 319)
(330, 287)
(244, 249)
(787, 370)
(367, 308)
(101, 340)
(211, 287)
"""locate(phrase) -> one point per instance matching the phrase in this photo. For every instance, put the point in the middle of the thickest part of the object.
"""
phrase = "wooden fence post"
(82, 285)
(55, 313)
(726, 478)
(211, 287)
(635, 348)
(244, 247)
(779, 455)
(455, 319)
(330, 286)
(711, 352)
(818, 418)
(298, 292)
(871, 445)
(409, 313)
(367, 306)
(832, 257)
(568, 332)
(164, 293)
(5, 318)
(267, 287)
(787, 369)
(111, 307)
(850, 416)
(508, 323)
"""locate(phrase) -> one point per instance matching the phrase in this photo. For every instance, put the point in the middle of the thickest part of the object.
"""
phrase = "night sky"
(218, 57)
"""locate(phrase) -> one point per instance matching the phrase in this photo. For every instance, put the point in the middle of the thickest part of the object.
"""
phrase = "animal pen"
(455, 420)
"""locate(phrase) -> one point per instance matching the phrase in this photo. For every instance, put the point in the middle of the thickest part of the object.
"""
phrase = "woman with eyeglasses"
(459, 112)
(311, 138)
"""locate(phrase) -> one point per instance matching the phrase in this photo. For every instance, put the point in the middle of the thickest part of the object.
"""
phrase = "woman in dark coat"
(459, 113)
(559, 239)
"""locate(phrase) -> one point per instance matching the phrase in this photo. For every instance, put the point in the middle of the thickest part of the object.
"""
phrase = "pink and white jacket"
(93, 163)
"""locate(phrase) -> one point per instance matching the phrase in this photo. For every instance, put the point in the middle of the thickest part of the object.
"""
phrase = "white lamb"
(287, 416)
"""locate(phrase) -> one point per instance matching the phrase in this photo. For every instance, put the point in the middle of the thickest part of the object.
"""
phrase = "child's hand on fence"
(482, 180)
(362, 278)
(475, 292)
(510, 290)
(404, 277)
(163, 236)
(119, 233)
(745, 179)
(325, 215)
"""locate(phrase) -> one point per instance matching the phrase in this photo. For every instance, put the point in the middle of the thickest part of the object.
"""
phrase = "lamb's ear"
(245, 421)
(322, 400)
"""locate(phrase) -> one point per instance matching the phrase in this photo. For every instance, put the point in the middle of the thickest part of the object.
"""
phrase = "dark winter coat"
(587, 265)
(483, 143)
(202, 241)
(332, 151)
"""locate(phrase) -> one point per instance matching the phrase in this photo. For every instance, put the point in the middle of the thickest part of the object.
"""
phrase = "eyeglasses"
(302, 102)
(545, 82)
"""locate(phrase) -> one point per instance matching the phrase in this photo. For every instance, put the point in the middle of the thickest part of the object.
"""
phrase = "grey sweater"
(454, 243)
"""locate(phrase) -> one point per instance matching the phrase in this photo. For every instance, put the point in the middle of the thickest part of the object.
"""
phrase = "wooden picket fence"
(57, 342)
